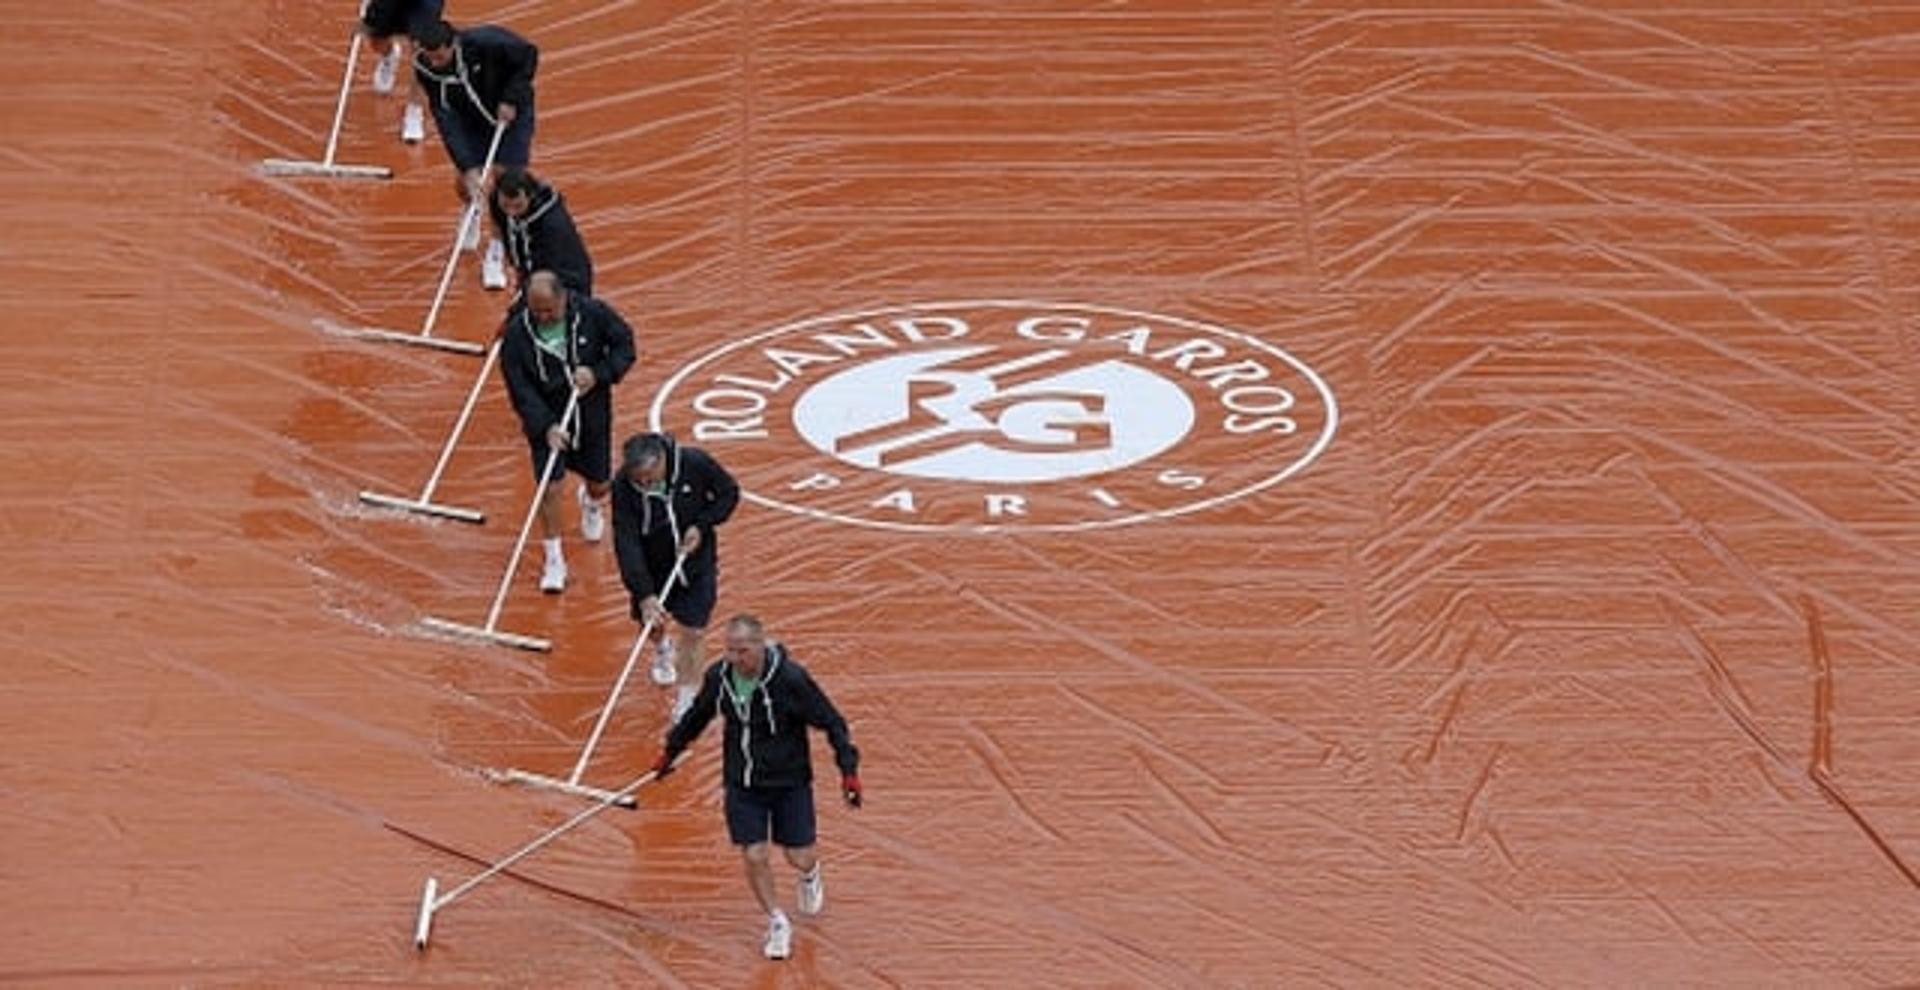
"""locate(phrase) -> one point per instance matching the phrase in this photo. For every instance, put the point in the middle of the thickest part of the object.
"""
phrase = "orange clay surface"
(1581, 653)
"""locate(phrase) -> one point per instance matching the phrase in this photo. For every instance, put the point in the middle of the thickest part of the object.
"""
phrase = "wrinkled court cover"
(1286, 494)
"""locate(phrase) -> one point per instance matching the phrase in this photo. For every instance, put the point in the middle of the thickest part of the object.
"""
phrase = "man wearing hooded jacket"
(553, 344)
(666, 504)
(768, 701)
(478, 79)
(532, 218)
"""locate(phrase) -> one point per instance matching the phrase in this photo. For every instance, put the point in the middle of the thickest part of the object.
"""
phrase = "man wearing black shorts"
(553, 343)
(666, 506)
(768, 700)
(479, 78)
(381, 21)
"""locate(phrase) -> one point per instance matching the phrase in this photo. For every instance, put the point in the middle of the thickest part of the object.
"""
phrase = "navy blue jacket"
(539, 382)
(545, 238)
(647, 528)
(766, 731)
(491, 66)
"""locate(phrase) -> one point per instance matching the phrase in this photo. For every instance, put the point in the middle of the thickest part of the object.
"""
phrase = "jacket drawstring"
(459, 75)
(540, 354)
(666, 500)
(520, 231)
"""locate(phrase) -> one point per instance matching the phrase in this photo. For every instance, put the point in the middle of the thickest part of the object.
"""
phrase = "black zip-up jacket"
(491, 66)
(545, 238)
(647, 528)
(539, 382)
(766, 732)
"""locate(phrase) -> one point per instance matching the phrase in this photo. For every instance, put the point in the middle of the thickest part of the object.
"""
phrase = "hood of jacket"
(455, 82)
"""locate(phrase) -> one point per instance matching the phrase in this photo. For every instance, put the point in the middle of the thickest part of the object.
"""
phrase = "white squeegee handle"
(620, 683)
(340, 106)
(567, 425)
(558, 831)
(460, 423)
(469, 217)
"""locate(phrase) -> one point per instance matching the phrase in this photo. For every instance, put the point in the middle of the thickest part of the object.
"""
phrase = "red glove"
(850, 789)
(663, 765)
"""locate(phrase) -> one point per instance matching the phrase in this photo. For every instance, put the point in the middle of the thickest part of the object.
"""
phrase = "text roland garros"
(998, 415)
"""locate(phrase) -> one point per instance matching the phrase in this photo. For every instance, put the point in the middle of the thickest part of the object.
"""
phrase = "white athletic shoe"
(593, 516)
(471, 242)
(813, 893)
(553, 580)
(682, 701)
(493, 275)
(384, 70)
(663, 672)
(413, 125)
(779, 936)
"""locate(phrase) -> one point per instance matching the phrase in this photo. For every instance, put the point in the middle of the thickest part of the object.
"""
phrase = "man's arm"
(520, 58)
(694, 722)
(724, 491)
(620, 355)
(819, 712)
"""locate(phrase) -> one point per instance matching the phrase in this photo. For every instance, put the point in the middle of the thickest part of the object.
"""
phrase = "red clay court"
(1287, 494)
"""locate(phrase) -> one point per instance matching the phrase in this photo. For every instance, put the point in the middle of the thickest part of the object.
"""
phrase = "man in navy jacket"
(478, 79)
(666, 505)
(555, 343)
(768, 702)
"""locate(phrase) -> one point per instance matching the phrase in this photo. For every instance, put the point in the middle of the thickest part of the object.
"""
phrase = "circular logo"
(999, 415)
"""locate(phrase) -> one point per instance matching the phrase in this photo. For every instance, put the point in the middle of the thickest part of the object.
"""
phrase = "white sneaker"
(779, 936)
(813, 893)
(663, 672)
(384, 70)
(493, 275)
(413, 126)
(553, 580)
(682, 702)
(471, 240)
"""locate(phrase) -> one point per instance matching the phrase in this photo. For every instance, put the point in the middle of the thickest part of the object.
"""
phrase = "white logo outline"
(655, 418)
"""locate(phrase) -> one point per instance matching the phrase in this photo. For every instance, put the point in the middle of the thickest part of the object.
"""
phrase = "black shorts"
(592, 455)
(466, 137)
(691, 600)
(386, 18)
(786, 811)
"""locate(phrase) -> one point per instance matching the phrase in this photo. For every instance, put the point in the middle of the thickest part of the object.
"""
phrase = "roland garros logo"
(1000, 415)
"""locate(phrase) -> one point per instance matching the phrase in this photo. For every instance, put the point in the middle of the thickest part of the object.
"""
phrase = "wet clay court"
(1287, 494)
